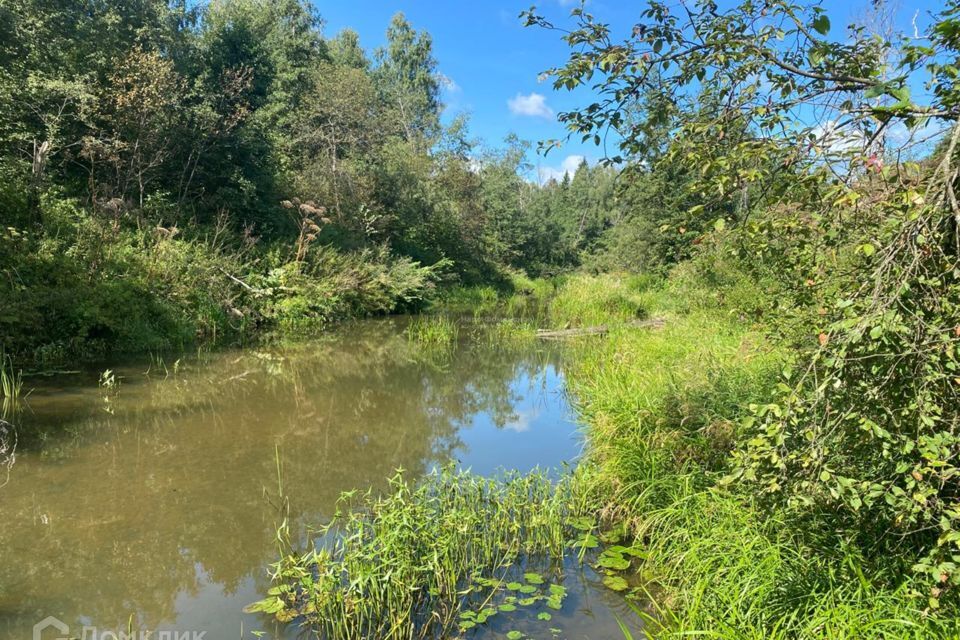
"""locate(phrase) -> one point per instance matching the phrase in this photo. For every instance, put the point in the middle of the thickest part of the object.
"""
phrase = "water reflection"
(154, 500)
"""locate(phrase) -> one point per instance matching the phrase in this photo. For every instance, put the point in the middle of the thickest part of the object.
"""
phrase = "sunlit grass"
(584, 301)
(508, 333)
(663, 409)
(433, 332)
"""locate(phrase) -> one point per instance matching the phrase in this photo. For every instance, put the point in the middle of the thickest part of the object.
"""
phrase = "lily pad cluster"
(526, 593)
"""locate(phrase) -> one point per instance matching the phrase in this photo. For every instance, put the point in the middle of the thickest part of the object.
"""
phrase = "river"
(151, 503)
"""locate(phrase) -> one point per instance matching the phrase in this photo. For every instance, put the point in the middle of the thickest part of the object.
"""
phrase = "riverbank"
(665, 410)
(91, 291)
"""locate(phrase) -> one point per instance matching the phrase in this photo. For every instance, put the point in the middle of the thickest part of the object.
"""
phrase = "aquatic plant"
(508, 333)
(11, 380)
(430, 558)
(433, 332)
(108, 379)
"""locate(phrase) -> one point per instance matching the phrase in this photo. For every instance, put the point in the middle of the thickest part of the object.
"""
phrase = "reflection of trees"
(120, 512)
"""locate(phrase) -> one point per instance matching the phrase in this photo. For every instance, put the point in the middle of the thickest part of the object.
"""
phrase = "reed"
(11, 380)
(433, 332)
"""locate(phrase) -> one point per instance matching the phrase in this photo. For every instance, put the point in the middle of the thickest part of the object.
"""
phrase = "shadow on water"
(152, 499)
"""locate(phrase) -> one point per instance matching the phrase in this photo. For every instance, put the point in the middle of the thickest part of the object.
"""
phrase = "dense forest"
(174, 173)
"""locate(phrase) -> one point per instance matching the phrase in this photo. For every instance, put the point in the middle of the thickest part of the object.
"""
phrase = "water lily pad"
(615, 583)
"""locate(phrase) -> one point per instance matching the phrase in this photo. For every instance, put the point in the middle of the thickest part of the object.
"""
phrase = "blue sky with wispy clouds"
(493, 62)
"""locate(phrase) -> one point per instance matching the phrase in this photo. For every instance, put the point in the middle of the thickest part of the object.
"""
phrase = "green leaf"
(821, 24)
(616, 583)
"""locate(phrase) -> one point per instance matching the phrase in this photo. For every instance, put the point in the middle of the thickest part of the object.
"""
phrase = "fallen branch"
(556, 334)
(244, 284)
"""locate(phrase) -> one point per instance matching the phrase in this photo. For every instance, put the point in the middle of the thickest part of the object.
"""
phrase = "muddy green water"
(152, 506)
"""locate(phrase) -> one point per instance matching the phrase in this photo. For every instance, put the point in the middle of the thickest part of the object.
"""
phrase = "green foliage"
(426, 559)
(330, 285)
(174, 174)
(585, 301)
(433, 332)
(850, 256)
(664, 410)
(664, 402)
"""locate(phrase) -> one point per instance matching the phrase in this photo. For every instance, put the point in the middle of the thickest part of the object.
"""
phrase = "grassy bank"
(664, 411)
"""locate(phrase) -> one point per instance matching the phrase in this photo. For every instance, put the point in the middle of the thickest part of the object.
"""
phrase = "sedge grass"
(11, 380)
(584, 301)
(433, 332)
(508, 333)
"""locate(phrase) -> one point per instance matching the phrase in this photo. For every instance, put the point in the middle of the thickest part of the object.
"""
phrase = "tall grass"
(433, 332)
(508, 333)
(583, 301)
(732, 570)
(11, 380)
(426, 559)
(663, 410)
(476, 300)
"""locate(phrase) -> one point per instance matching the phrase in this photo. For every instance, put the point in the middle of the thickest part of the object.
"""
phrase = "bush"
(94, 288)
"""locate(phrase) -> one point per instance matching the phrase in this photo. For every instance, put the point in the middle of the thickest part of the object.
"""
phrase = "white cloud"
(448, 84)
(532, 105)
(568, 167)
(522, 421)
(832, 138)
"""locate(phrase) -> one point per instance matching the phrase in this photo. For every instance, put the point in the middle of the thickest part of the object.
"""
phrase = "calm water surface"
(153, 505)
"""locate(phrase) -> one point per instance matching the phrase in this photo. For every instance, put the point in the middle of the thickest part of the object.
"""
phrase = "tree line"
(152, 150)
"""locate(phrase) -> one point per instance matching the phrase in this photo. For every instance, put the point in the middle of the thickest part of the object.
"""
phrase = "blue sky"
(494, 62)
